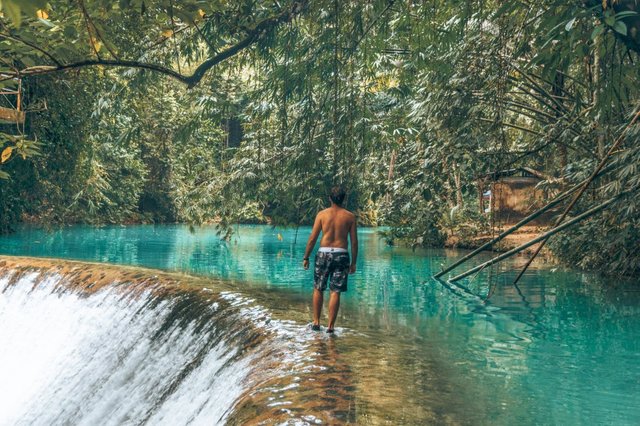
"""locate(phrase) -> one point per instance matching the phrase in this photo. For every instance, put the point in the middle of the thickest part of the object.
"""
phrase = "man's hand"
(352, 268)
(305, 263)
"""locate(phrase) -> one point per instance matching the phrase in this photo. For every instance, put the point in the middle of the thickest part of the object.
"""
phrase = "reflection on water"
(561, 347)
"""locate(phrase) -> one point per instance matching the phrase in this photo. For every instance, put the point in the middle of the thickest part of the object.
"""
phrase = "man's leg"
(317, 306)
(334, 305)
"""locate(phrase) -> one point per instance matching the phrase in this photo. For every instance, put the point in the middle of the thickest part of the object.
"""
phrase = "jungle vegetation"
(246, 111)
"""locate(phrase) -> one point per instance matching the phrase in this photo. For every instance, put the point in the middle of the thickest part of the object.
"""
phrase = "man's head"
(337, 195)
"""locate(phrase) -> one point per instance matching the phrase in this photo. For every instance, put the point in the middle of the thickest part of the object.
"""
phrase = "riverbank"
(511, 241)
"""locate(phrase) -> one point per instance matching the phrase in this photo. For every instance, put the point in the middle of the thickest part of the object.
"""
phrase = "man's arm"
(353, 236)
(317, 227)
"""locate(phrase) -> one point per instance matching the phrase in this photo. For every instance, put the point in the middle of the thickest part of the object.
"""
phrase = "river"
(231, 344)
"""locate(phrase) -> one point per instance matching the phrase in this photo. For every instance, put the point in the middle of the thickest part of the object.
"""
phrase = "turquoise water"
(561, 348)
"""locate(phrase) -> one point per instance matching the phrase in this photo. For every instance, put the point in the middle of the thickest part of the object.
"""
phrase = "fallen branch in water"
(542, 237)
(593, 175)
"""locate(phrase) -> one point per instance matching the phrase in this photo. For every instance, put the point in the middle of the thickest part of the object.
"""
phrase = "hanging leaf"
(620, 27)
(625, 14)
(6, 153)
(570, 24)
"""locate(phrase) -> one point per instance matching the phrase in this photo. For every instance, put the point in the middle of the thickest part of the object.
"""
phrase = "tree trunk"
(392, 163)
(458, 181)
(480, 195)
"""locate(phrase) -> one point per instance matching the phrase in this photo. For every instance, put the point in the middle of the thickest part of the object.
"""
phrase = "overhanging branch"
(190, 80)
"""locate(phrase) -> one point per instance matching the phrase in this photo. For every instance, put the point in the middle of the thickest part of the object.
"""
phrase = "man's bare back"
(336, 224)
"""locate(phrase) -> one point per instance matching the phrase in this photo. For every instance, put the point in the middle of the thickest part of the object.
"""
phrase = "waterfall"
(84, 347)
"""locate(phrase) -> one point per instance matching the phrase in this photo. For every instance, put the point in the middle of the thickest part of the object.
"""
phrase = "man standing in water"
(332, 260)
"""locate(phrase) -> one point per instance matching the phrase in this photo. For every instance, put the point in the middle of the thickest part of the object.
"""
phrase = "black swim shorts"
(332, 267)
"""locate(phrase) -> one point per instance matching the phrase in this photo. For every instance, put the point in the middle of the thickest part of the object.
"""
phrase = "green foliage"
(607, 245)
(408, 104)
(465, 225)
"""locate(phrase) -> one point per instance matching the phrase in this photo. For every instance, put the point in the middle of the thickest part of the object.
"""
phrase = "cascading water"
(78, 347)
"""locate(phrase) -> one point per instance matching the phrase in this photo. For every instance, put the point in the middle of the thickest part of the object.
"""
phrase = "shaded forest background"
(247, 111)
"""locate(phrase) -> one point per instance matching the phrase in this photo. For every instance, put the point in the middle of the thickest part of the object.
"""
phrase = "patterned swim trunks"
(332, 267)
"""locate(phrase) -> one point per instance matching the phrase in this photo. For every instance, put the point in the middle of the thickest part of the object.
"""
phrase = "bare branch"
(99, 36)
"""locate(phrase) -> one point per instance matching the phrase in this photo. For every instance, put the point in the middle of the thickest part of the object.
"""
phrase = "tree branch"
(190, 80)
(46, 69)
(206, 40)
(513, 126)
(251, 38)
(33, 46)
(90, 24)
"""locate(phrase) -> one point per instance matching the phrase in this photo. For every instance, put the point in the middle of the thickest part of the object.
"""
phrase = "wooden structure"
(9, 115)
(14, 114)
(510, 195)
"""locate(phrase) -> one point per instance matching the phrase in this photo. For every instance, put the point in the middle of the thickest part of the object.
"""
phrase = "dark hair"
(337, 195)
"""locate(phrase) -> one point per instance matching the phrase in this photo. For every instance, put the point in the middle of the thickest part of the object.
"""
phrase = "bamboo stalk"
(544, 236)
(505, 233)
(19, 96)
(534, 85)
(597, 170)
(514, 126)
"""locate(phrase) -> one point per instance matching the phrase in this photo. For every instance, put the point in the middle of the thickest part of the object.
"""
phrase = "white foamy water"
(109, 358)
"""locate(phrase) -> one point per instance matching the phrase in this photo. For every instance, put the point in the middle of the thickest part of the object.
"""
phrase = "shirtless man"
(332, 260)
